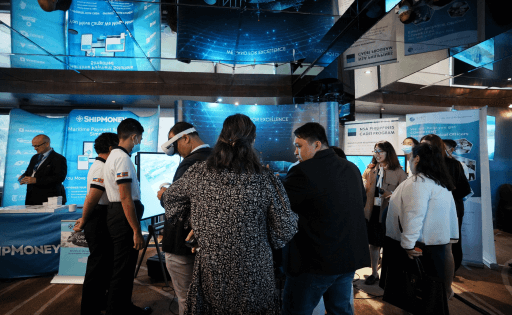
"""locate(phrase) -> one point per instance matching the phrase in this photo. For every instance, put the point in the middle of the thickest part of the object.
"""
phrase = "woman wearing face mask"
(422, 220)
(407, 146)
(381, 177)
(461, 190)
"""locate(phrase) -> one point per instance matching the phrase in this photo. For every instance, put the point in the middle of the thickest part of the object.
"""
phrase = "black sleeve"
(462, 188)
(295, 184)
(57, 174)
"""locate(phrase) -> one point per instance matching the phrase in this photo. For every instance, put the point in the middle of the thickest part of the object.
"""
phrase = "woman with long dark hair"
(461, 190)
(381, 177)
(422, 215)
(239, 211)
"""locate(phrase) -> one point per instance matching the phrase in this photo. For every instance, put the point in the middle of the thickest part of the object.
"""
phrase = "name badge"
(377, 201)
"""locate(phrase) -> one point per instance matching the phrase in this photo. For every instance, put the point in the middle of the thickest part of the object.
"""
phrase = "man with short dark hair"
(94, 224)
(124, 213)
(328, 195)
(45, 173)
(178, 258)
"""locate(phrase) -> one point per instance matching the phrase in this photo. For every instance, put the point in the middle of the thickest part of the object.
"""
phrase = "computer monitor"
(154, 169)
(362, 161)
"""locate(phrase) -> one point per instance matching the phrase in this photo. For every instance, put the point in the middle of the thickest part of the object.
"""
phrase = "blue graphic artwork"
(274, 124)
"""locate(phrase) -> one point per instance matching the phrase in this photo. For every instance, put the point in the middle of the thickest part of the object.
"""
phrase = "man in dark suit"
(179, 259)
(327, 193)
(45, 173)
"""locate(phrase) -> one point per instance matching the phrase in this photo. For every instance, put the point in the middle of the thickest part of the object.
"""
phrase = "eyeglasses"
(38, 145)
(378, 152)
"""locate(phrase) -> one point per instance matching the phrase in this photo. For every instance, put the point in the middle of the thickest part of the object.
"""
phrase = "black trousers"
(457, 247)
(124, 260)
(99, 263)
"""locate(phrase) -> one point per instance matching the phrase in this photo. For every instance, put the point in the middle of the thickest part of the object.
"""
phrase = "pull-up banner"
(23, 127)
(469, 129)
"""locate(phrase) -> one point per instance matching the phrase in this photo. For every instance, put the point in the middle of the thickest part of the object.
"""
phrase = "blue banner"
(74, 250)
(23, 127)
(274, 125)
(45, 29)
(435, 28)
(30, 243)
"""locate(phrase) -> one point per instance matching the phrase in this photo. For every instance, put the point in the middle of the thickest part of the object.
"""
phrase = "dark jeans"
(303, 292)
(124, 261)
(457, 247)
(99, 263)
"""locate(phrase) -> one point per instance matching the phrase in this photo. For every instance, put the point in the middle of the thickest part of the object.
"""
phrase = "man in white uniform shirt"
(94, 224)
(124, 213)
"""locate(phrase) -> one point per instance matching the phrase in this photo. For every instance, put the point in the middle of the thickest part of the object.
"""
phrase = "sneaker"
(371, 280)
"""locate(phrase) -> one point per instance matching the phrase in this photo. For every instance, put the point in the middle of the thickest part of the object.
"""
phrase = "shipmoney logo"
(29, 250)
(79, 118)
(21, 140)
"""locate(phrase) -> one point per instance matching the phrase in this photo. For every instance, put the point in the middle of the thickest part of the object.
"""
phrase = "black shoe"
(371, 280)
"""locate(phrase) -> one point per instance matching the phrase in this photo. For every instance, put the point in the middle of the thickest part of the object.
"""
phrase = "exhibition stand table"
(30, 239)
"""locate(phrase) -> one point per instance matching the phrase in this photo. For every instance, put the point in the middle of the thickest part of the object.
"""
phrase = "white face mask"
(407, 149)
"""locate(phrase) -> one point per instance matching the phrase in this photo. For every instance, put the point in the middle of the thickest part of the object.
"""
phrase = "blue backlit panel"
(250, 37)
(274, 124)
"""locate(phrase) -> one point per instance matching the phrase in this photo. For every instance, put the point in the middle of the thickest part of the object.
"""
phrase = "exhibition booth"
(34, 237)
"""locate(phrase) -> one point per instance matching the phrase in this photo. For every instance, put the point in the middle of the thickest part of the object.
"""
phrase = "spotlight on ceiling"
(510, 106)
(256, 104)
(236, 103)
(382, 108)
(510, 79)
(368, 72)
(219, 100)
(113, 101)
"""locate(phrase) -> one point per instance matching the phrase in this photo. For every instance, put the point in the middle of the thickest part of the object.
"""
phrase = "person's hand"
(387, 194)
(28, 180)
(79, 226)
(189, 235)
(413, 253)
(161, 192)
(138, 240)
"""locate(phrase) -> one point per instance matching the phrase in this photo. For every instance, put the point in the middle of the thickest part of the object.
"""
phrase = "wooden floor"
(488, 289)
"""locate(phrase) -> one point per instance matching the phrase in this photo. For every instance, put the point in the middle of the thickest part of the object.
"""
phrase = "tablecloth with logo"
(30, 243)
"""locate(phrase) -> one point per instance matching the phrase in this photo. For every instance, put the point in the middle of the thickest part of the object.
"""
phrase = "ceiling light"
(382, 108)
(510, 106)
(219, 100)
(256, 104)
(113, 101)
(368, 72)
(236, 103)
(510, 79)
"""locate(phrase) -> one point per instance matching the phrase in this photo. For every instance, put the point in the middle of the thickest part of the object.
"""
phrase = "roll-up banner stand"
(74, 253)
(361, 136)
(469, 129)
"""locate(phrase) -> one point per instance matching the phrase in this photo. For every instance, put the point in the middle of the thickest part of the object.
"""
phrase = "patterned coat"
(236, 219)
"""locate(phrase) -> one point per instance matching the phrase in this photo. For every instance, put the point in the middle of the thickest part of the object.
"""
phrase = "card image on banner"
(435, 28)
(74, 253)
(375, 47)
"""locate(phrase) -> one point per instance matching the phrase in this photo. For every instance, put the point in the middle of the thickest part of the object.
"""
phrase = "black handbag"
(416, 292)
